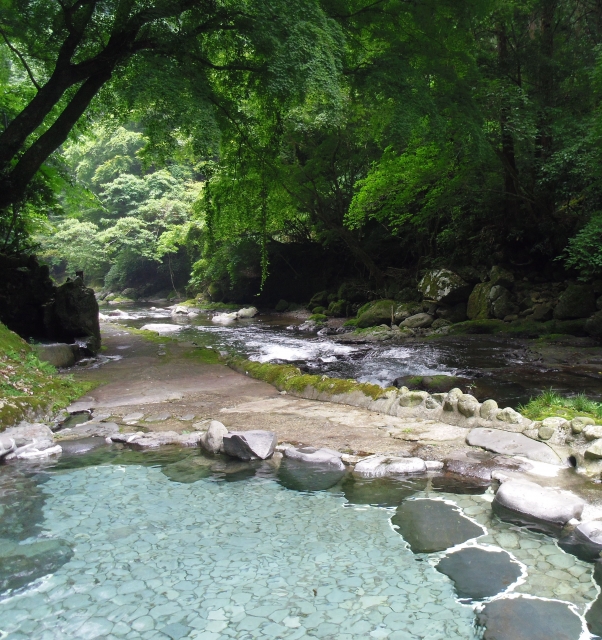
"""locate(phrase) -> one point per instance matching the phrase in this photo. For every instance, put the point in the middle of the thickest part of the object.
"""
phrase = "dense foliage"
(391, 135)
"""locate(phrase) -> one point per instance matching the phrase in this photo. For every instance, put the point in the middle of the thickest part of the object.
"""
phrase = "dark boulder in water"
(528, 619)
(301, 476)
(477, 573)
(433, 525)
(383, 492)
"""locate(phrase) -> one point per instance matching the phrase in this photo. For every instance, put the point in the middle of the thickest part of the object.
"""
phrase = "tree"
(74, 50)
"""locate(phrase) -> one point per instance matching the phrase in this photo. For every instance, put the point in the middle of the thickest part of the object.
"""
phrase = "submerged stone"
(188, 470)
(594, 615)
(477, 573)
(301, 476)
(528, 619)
(433, 525)
(384, 492)
(79, 446)
(515, 444)
(23, 564)
(585, 541)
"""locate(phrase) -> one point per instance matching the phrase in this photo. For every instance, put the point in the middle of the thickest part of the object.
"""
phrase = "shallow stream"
(492, 366)
(172, 544)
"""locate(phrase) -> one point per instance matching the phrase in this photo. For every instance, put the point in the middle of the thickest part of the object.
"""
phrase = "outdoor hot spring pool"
(173, 544)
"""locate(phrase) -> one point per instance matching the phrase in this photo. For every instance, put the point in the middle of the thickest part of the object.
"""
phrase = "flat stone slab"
(528, 619)
(433, 525)
(382, 492)
(472, 467)
(543, 508)
(514, 444)
(89, 429)
(163, 329)
(78, 446)
(158, 417)
(477, 573)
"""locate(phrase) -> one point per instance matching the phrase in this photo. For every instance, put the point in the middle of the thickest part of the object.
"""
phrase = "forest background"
(262, 150)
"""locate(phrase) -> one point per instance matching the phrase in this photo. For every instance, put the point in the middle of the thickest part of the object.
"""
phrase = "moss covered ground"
(28, 386)
(550, 404)
(291, 379)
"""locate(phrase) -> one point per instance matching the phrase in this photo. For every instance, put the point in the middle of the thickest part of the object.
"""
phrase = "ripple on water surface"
(213, 560)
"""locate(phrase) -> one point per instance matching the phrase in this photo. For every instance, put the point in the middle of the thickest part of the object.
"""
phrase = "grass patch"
(289, 378)
(204, 355)
(550, 404)
(318, 317)
(213, 306)
(30, 388)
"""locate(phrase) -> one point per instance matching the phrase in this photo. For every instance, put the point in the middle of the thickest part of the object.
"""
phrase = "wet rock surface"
(298, 475)
(433, 525)
(378, 466)
(543, 508)
(477, 573)
(529, 619)
(383, 492)
(584, 541)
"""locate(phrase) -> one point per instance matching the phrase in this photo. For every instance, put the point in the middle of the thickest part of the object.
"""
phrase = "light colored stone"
(412, 398)
(594, 451)
(27, 433)
(592, 432)
(488, 410)
(554, 423)
(468, 405)
(316, 456)
(509, 415)
(544, 504)
(545, 432)
(212, 441)
(579, 423)
(508, 443)
(379, 466)
(58, 355)
(249, 312)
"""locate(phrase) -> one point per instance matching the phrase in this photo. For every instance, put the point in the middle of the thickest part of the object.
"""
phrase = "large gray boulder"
(379, 466)
(27, 433)
(250, 445)
(502, 303)
(544, 508)
(310, 455)
(212, 441)
(515, 444)
(444, 286)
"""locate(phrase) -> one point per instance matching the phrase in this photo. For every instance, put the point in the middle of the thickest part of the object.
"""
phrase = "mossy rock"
(282, 305)
(432, 384)
(215, 292)
(350, 323)
(319, 299)
(318, 310)
(338, 308)
(479, 304)
(318, 317)
(376, 313)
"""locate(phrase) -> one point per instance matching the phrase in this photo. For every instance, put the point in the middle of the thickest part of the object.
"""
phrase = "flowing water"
(172, 544)
(496, 367)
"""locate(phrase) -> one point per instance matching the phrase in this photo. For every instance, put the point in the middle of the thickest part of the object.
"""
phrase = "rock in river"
(433, 525)
(383, 492)
(529, 619)
(515, 444)
(379, 466)
(250, 445)
(301, 476)
(477, 573)
(542, 508)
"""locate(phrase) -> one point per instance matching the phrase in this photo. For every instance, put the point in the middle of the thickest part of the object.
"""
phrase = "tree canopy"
(396, 134)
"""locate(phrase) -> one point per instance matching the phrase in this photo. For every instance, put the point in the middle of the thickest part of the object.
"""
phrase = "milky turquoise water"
(211, 559)
(178, 550)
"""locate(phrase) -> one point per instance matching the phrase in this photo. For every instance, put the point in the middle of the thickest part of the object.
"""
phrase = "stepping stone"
(513, 444)
(158, 417)
(301, 476)
(82, 445)
(528, 619)
(433, 525)
(540, 508)
(133, 417)
(460, 485)
(477, 573)
(189, 470)
(384, 492)
(380, 466)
